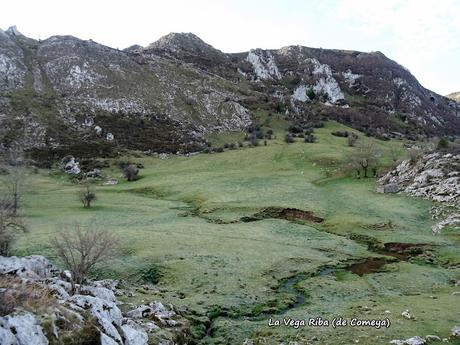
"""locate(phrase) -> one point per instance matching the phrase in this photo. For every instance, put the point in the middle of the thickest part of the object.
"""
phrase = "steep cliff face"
(65, 95)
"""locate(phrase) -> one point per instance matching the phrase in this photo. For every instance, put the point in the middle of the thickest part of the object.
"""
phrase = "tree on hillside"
(82, 248)
(87, 195)
(10, 226)
(14, 179)
(363, 158)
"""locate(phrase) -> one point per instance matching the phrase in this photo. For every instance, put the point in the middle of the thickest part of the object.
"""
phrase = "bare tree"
(81, 248)
(363, 158)
(10, 226)
(14, 179)
(87, 195)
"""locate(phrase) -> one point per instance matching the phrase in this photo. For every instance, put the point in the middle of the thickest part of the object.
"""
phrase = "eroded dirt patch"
(370, 265)
(283, 213)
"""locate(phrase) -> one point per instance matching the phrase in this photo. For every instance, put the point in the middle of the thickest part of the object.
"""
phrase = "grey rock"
(430, 338)
(106, 340)
(106, 313)
(71, 166)
(134, 334)
(455, 331)
(34, 266)
(26, 330)
(390, 188)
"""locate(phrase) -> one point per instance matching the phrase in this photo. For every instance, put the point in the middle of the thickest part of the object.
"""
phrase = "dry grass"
(16, 294)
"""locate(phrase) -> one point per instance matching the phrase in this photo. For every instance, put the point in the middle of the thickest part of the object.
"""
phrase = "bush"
(443, 144)
(343, 134)
(80, 249)
(351, 140)
(295, 129)
(131, 172)
(308, 131)
(310, 138)
(289, 138)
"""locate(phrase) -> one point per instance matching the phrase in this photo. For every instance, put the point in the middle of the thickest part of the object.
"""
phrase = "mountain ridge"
(168, 96)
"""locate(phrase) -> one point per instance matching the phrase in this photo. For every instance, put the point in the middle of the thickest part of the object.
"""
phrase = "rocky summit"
(64, 94)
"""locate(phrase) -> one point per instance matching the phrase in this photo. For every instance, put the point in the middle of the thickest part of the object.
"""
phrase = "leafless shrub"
(14, 168)
(10, 226)
(81, 248)
(87, 195)
(414, 154)
(365, 157)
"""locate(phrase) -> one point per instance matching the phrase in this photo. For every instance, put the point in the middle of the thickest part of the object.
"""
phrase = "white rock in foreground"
(34, 266)
(134, 334)
(106, 313)
(21, 330)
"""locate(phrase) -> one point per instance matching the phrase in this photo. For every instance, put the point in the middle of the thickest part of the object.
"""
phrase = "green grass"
(178, 225)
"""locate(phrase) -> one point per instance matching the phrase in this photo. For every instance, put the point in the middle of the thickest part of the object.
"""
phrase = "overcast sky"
(424, 36)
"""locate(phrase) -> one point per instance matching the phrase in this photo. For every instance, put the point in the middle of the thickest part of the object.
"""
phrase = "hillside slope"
(66, 95)
(57, 92)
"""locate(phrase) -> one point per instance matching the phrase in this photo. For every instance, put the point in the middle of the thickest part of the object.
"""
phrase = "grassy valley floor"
(181, 224)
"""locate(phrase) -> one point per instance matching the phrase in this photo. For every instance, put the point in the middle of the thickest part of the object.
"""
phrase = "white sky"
(422, 35)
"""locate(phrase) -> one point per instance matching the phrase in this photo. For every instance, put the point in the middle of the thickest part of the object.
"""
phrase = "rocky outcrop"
(93, 311)
(34, 267)
(434, 176)
(455, 96)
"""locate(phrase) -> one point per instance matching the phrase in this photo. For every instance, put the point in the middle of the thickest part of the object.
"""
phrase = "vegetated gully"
(394, 252)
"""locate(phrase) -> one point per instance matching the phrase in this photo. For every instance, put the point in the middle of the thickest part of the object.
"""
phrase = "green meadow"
(182, 232)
